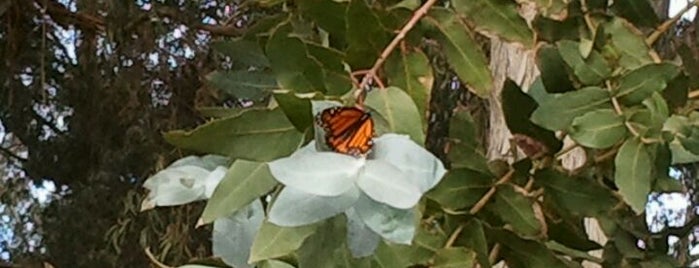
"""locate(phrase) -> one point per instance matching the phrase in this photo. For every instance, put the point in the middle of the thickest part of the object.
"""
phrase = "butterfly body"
(348, 130)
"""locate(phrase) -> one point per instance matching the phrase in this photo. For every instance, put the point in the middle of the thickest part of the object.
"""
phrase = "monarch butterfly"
(348, 130)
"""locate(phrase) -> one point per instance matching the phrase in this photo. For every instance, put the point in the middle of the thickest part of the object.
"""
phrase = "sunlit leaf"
(394, 111)
(558, 113)
(640, 84)
(496, 17)
(629, 42)
(591, 70)
(273, 241)
(598, 129)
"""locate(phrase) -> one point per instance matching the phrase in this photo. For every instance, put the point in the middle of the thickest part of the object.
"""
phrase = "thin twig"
(371, 73)
(453, 236)
(493, 256)
(666, 25)
(155, 261)
(481, 203)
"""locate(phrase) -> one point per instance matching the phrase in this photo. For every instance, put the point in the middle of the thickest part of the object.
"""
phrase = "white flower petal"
(395, 225)
(232, 236)
(424, 169)
(318, 173)
(176, 185)
(213, 179)
(386, 183)
(361, 240)
(295, 208)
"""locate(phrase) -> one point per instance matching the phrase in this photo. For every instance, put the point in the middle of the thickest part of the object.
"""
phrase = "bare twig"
(155, 261)
(481, 203)
(371, 73)
(453, 236)
(666, 25)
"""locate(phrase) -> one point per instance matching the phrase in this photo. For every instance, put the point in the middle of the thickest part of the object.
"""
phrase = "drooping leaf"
(395, 112)
(591, 70)
(454, 257)
(558, 113)
(273, 241)
(243, 84)
(496, 17)
(463, 53)
(518, 210)
(461, 188)
(598, 129)
(633, 174)
(233, 235)
(639, 12)
(257, 135)
(641, 83)
(411, 71)
(244, 182)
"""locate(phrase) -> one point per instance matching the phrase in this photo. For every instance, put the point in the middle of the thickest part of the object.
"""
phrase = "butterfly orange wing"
(348, 130)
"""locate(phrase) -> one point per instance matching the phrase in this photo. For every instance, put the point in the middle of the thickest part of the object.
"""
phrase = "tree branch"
(10, 154)
(666, 25)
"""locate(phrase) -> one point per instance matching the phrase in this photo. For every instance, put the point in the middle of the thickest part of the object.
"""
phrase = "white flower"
(320, 185)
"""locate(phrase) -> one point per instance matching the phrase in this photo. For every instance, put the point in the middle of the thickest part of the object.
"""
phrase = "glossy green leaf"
(518, 210)
(639, 12)
(629, 42)
(245, 52)
(641, 83)
(273, 241)
(598, 129)
(244, 182)
(591, 70)
(460, 188)
(577, 195)
(243, 84)
(411, 71)
(558, 113)
(554, 72)
(633, 174)
(394, 111)
(499, 17)
(462, 51)
(258, 135)
(454, 258)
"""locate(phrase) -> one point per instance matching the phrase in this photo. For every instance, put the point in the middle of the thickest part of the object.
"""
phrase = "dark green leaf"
(244, 182)
(518, 210)
(460, 188)
(629, 42)
(521, 253)
(465, 150)
(553, 30)
(389, 256)
(329, 15)
(554, 72)
(591, 70)
(292, 66)
(297, 108)
(462, 51)
(598, 129)
(517, 108)
(246, 52)
(473, 237)
(365, 35)
(640, 84)
(496, 17)
(558, 113)
(327, 239)
(243, 84)
(257, 135)
(640, 12)
(336, 79)
(633, 174)
(454, 257)
(577, 195)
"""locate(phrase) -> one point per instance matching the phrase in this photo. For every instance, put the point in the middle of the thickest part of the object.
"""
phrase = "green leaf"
(411, 71)
(258, 135)
(291, 64)
(521, 253)
(554, 73)
(577, 254)
(598, 129)
(641, 83)
(518, 210)
(460, 188)
(329, 15)
(591, 70)
(243, 84)
(363, 22)
(633, 174)
(327, 239)
(244, 182)
(273, 241)
(551, 30)
(336, 79)
(390, 256)
(462, 52)
(465, 150)
(245, 52)
(473, 237)
(576, 195)
(454, 257)
(274, 264)
(629, 42)
(395, 112)
(639, 12)
(498, 17)
(552, 8)
(296, 107)
(558, 113)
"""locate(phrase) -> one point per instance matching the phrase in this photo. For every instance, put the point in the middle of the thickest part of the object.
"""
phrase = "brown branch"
(666, 25)
(481, 203)
(371, 73)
